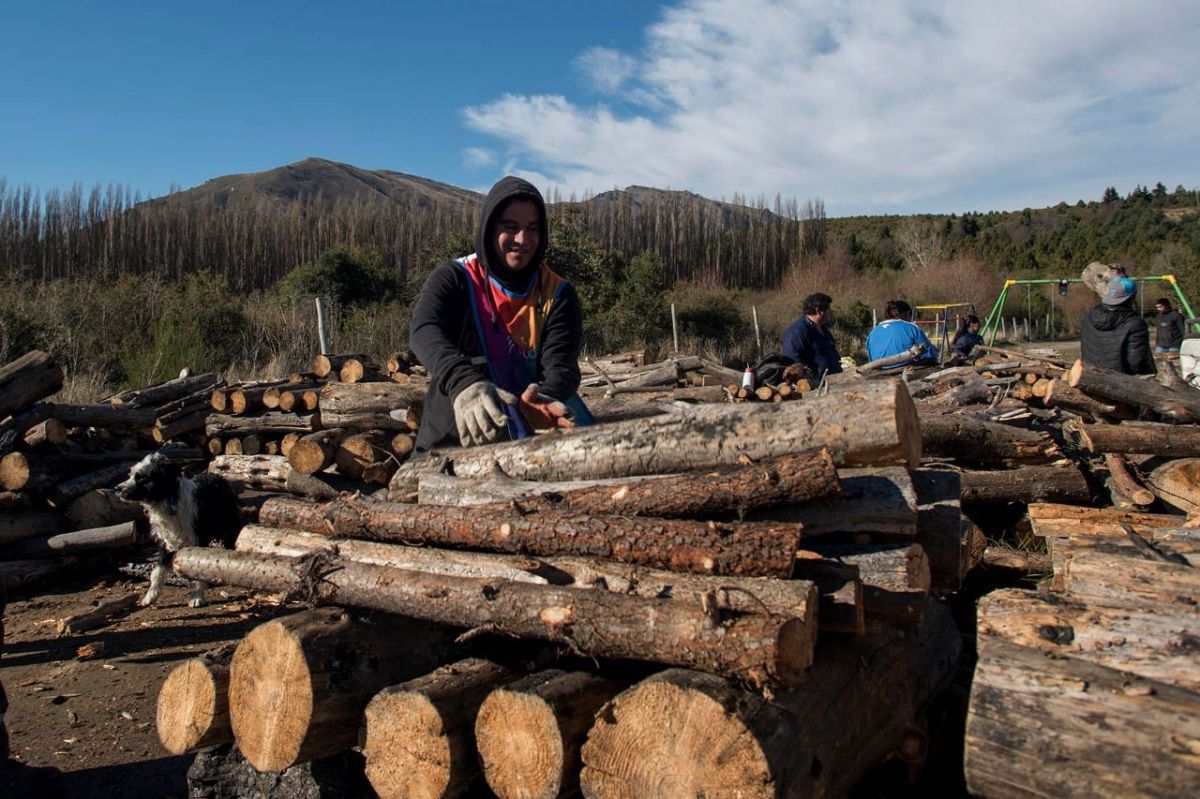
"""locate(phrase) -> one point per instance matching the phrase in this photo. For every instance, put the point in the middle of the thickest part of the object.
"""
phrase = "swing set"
(992, 323)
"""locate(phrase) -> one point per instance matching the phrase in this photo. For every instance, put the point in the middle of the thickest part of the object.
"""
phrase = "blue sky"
(889, 106)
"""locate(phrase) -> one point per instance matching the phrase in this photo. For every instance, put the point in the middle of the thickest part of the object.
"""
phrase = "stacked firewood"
(774, 558)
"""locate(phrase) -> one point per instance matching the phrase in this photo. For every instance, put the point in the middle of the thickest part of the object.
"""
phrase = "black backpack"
(769, 371)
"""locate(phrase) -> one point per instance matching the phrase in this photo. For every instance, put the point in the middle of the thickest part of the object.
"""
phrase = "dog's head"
(155, 478)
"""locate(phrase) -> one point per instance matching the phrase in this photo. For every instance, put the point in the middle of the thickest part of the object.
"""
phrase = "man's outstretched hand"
(544, 413)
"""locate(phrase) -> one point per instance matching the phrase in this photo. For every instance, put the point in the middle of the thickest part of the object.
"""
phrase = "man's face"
(1161, 308)
(518, 234)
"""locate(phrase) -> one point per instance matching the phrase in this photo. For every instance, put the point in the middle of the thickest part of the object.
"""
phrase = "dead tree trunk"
(528, 733)
(32, 377)
(1026, 484)
(816, 739)
(1180, 406)
(298, 684)
(418, 737)
(748, 548)
(865, 425)
(758, 648)
(193, 703)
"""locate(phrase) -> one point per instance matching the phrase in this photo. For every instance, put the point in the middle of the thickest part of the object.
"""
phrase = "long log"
(32, 377)
(180, 426)
(746, 548)
(117, 536)
(680, 733)
(1142, 640)
(274, 473)
(864, 425)
(418, 737)
(372, 406)
(103, 508)
(1061, 726)
(220, 425)
(529, 733)
(69, 490)
(1151, 438)
(1026, 484)
(193, 703)
(166, 392)
(880, 500)
(113, 417)
(1050, 519)
(30, 524)
(1180, 406)
(298, 684)
(98, 616)
(976, 441)
(774, 481)
(758, 648)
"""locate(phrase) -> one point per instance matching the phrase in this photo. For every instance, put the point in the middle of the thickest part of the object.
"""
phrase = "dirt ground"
(85, 728)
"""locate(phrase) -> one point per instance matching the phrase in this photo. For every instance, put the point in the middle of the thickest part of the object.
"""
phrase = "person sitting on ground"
(808, 340)
(897, 333)
(499, 332)
(1114, 335)
(967, 338)
(1168, 327)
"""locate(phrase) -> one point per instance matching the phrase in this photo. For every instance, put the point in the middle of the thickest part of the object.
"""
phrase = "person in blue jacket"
(808, 340)
(897, 333)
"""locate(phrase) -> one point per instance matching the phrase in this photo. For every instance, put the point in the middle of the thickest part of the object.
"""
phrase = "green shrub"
(347, 278)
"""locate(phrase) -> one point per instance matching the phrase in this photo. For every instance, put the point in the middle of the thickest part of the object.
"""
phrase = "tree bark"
(1150, 438)
(975, 441)
(418, 737)
(103, 508)
(98, 616)
(1122, 578)
(1178, 484)
(193, 703)
(1040, 726)
(315, 452)
(745, 548)
(273, 473)
(1026, 484)
(112, 417)
(1126, 483)
(166, 392)
(30, 524)
(115, 537)
(32, 377)
(219, 425)
(1179, 406)
(372, 406)
(861, 425)
(298, 684)
(529, 733)
(758, 648)
(1060, 394)
(660, 737)
(881, 500)
(69, 490)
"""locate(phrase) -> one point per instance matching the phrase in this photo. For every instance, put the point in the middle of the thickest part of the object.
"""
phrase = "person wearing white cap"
(1115, 336)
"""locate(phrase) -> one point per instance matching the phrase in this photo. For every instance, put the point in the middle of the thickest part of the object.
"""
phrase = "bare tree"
(920, 243)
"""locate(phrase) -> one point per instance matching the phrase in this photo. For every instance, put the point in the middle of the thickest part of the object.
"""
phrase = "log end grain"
(193, 707)
(15, 470)
(405, 746)
(520, 745)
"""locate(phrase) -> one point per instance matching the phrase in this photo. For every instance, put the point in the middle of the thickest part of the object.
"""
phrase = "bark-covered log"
(30, 524)
(909, 355)
(1061, 726)
(275, 423)
(179, 427)
(1151, 438)
(14, 428)
(193, 703)
(661, 738)
(103, 508)
(1020, 561)
(1026, 484)
(69, 490)
(418, 737)
(24, 471)
(18, 574)
(529, 733)
(372, 406)
(50, 432)
(154, 396)
(359, 452)
(774, 481)
(747, 548)
(1180, 406)
(298, 684)
(273, 473)
(315, 452)
(1060, 394)
(32, 377)
(115, 537)
(1124, 578)
(863, 425)
(757, 648)
(98, 616)
(1126, 483)
(112, 417)
(976, 441)
(1050, 519)
(1122, 636)
(897, 567)
(880, 500)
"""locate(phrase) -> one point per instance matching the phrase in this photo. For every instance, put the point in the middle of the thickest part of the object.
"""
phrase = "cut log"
(1123, 579)
(233, 446)
(1142, 640)
(529, 733)
(1061, 726)
(1026, 484)
(30, 524)
(358, 370)
(1016, 560)
(14, 501)
(841, 601)
(976, 441)
(1060, 394)
(98, 616)
(1178, 483)
(300, 400)
(219, 400)
(298, 684)
(1151, 438)
(1126, 483)
(248, 398)
(881, 500)
(193, 703)
(758, 648)
(273, 423)
(939, 527)
(50, 432)
(746, 548)
(69, 490)
(117, 536)
(1180, 406)
(154, 396)
(180, 427)
(864, 425)
(32, 377)
(897, 567)
(330, 365)
(252, 444)
(1052, 520)
(112, 417)
(315, 452)
(24, 471)
(680, 733)
(273, 473)
(908, 356)
(418, 737)
(357, 453)
(103, 508)
(372, 406)
(14, 428)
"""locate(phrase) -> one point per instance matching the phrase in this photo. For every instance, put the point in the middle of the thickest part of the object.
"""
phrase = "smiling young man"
(499, 332)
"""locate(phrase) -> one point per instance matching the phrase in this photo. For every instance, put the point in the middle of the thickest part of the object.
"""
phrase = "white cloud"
(605, 68)
(901, 106)
(477, 157)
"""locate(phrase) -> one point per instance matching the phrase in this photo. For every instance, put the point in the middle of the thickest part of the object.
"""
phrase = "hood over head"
(506, 189)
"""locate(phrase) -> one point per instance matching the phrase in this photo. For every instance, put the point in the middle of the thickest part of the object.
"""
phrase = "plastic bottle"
(748, 378)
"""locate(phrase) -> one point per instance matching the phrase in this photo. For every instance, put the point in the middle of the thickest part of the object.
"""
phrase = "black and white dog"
(184, 512)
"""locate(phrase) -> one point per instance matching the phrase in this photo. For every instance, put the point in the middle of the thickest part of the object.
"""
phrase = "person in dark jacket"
(1114, 335)
(967, 338)
(1168, 327)
(808, 340)
(499, 332)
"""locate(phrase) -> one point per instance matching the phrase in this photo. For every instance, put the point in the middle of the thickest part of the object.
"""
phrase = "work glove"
(479, 415)
(541, 412)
